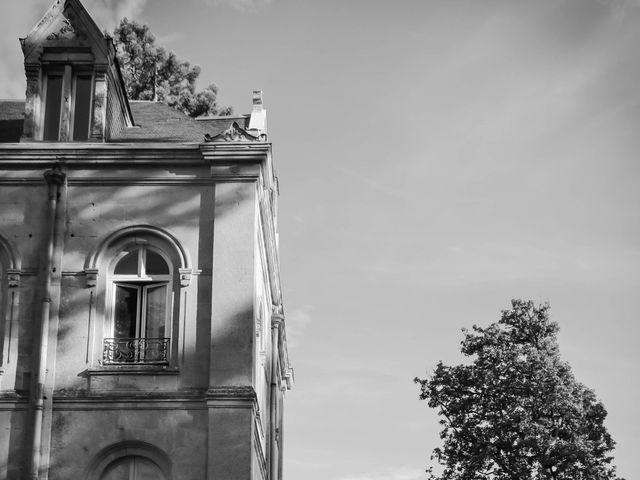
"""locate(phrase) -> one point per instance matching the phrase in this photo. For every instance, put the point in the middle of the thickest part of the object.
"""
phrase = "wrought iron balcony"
(125, 351)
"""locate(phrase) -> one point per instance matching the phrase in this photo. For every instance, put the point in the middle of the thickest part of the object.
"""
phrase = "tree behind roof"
(517, 412)
(152, 73)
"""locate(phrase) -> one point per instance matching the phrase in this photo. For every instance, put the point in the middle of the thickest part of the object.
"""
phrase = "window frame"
(142, 281)
(66, 132)
(96, 272)
(132, 463)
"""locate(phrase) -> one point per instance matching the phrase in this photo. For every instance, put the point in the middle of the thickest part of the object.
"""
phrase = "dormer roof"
(67, 57)
(66, 25)
(76, 93)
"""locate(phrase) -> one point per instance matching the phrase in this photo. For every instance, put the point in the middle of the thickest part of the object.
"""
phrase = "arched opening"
(132, 467)
(130, 460)
(139, 273)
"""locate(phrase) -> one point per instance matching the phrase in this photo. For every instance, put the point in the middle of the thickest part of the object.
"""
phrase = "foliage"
(152, 73)
(517, 412)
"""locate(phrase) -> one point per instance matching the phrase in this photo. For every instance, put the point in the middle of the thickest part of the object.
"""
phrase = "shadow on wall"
(93, 213)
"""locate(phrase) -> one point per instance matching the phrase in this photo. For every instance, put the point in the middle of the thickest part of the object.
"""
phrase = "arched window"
(130, 460)
(9, 281)
(138, 276)
(141, 281)
(132, 468)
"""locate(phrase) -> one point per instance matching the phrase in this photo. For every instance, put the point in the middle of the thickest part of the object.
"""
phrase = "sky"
(437, 158)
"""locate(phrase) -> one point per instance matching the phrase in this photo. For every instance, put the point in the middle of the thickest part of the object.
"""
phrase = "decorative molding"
(10, 254)
(277, 316)
(184, 260)
(231, 393)
(54, 176)
(130, 181)
(65, 27)
(91, 277)
(132, 370)
(13, 278)
(108, 455)
(185, 276)
(95, 156)
(104, 399)
(236, 134)
(289, 378)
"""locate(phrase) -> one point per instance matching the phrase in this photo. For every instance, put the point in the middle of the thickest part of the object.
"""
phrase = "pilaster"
(99, 118)
(33, 96)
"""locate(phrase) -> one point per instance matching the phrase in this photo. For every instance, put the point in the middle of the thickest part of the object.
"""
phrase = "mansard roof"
(154, 122)
(11, 120)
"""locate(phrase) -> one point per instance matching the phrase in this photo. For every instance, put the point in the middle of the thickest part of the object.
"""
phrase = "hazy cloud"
(242, 5)
(402, 473)
(169, 38)
(23, 17)
(107, 13)
(297, 322)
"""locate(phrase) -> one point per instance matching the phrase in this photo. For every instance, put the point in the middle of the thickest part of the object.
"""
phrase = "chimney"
(258, 120)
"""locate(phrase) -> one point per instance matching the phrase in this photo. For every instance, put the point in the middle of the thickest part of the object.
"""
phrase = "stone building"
(141, 321)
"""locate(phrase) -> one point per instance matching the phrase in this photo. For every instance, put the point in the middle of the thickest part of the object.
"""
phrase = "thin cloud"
(619, 9)
(107, 13)
(402, 473)
(241, 5)
(24, 16)
(298, 320)
(169, 38)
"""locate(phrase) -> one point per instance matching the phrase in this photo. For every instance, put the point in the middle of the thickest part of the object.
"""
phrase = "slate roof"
(154, 122)
(11, 120)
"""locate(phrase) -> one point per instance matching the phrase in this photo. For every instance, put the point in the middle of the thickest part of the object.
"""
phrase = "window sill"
(133, 370)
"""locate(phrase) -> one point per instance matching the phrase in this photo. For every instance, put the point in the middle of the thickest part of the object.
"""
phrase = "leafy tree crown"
(516, 412)
(151, 72)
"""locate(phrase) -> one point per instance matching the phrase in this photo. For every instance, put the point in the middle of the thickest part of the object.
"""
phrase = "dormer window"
(67, 105)
(75, 90)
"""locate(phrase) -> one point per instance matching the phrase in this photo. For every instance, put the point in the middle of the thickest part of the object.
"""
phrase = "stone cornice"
(222, 157)
(240, 392)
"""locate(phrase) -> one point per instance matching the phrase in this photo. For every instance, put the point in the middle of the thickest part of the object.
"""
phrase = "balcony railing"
(125, 351)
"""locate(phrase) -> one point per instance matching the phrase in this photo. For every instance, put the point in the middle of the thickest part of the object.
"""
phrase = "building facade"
(141, 320)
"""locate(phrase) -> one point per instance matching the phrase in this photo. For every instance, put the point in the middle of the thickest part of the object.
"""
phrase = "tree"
(517, 412)
(152, 73)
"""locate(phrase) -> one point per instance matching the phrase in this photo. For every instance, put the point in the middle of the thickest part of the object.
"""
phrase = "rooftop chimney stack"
(258, 120)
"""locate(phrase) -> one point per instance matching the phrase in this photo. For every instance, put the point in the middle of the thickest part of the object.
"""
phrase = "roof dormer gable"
(66, 26)
(75, 90)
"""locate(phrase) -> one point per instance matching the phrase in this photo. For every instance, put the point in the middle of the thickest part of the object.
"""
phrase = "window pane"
(132, 468)
(125, 311)
(146, 470)
(155, 264)
(128, 265)
(117, 471)
(52, 108)
(156, 311)
(82, 108)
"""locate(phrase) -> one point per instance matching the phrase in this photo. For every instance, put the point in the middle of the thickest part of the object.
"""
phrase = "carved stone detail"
(32, 72)
(185, 276)
(277, 316)
(98, 120)
(13, 278)
(54, 176)
(91, 277)
(65, 30)
(236, 134)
